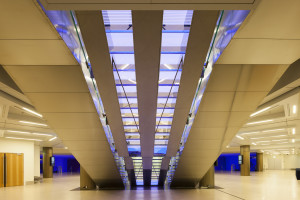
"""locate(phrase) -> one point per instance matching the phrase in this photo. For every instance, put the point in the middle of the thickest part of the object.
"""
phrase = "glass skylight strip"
(118, 27)
(227, 25)
(66, 25)
(175, 33)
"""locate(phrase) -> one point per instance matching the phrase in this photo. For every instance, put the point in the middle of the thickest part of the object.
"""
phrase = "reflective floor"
(263, 185)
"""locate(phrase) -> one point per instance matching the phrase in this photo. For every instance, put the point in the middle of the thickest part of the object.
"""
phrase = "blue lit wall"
(67, 164)
(229, 162)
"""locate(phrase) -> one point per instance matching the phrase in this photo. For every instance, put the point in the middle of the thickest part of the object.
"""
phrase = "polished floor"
(260, 185)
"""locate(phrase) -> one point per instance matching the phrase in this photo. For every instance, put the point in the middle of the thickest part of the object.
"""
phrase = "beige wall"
(25, 147)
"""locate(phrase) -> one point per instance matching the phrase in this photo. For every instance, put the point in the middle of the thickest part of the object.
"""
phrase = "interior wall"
(25, 147)
(37, 163)
(286, 162)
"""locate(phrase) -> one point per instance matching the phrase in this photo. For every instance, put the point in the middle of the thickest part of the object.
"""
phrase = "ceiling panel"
(81, 134)
(62, 102)
(216, 101)
(35, 52)
(211, 119)
(247, 101)
(48, 78)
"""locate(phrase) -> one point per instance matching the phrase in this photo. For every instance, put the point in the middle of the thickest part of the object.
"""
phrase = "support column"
(208, 179)
(245, 167)
(86, 183)
(259, 162)
(47, 168)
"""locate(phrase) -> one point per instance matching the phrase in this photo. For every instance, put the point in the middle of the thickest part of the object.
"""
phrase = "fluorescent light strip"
(256, 138)
(293, 131)
(239, 137)
(278, 136)
(293, 140)
(294, 109)
(12, 131)
(32, 112)
(42, 134)
(259, 122)
(23, 139)
(52, 139)
(253, 143)
(250, 132)
(273, 130)
(263, 141)
(260, 111)
(33, 123)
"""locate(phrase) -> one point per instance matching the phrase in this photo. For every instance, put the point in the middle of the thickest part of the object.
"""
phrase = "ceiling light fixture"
(260, 111)
(52, 139)
(124, 66)
(23, 138)
(294, 109)
(32, 112)
(132, 81)
(239, 137)
(259, 122)
(293, 140)
(12, 131)
(33, 123)
(168, 66)
(278, 136)
(293, 131)
(257, 138)
(273, 130)
(253, 143)
(42, 134)
(250, 132)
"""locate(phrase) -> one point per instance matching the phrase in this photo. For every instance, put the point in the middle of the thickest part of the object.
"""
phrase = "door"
(1, 170)
(14, 169)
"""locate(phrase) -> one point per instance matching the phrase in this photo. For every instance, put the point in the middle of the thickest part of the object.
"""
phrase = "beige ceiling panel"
(211, 119)
(35, 52)
(231, 132)
(224, 78)
(260, 77)
(247, 101)
(73, 120)
(81, 134)
(260, 51)
(62, 102)
(216, 101)
(200, 145)
(89, 155)
(48, 78)
(34, 24)
(238, 119)
(207, 133)
(273, 19)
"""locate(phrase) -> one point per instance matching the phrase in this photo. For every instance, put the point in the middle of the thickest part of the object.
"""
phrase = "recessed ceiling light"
(239, 137)
(293, 140)
(23, 139)
(294, 109)
(52, 139)
(273, 130)
(247, 133)
(42, 134)
(253, 143)
(259, 122)
(33, 123)
(260, 111)
(13, 131)
(32, 112)
(293, 131)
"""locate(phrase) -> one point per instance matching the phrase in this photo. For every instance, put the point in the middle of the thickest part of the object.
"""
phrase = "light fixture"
(259, 122)
(274, 156)
(52, 139)
(273, 130)
(278, 136)
(260, 111)
(33, 123)
(16, 138)
(132, 81)
(293, 131)
(279, 140)
(293, 140)
(32, 112)
(239, 137)
(263, 141)
(12, 131)
(253, 143)
(161, 80)
(257, 138)
(66, 147)
(247, 133)
(227, 146)
(168, 66)
(42, 134)
(294, 109)
(124, 66)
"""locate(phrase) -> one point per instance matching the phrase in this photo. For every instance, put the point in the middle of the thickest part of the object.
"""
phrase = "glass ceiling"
(175, 33)
(118, 27)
